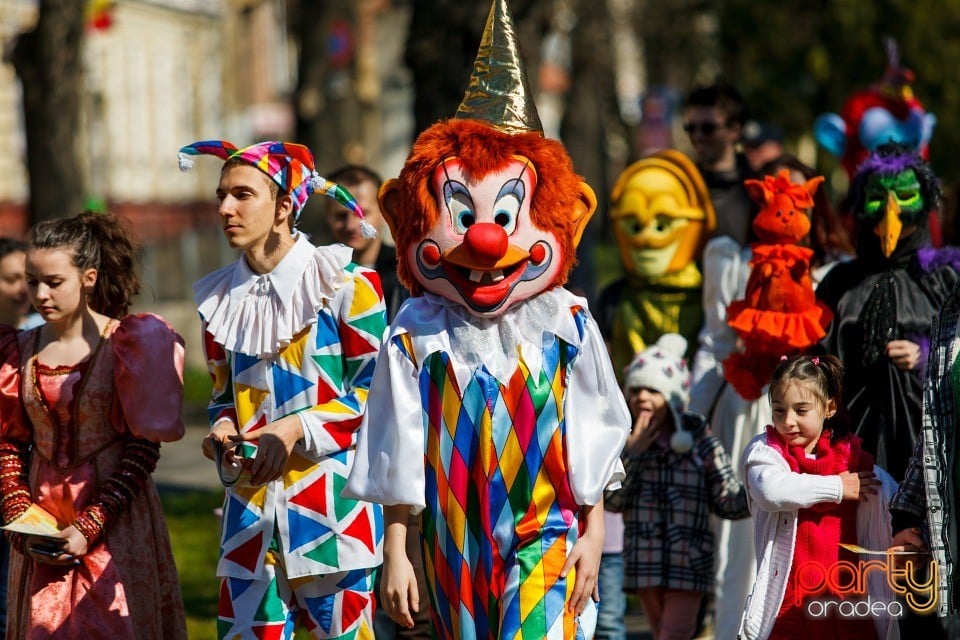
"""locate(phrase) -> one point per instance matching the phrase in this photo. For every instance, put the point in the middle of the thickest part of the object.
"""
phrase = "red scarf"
(831, 457)
(820, 530)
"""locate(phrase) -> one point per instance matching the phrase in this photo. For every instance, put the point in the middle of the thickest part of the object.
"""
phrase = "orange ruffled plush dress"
(83, 441)
(779, 315)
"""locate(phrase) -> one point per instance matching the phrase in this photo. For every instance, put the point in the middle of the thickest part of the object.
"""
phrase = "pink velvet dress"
(95, 430)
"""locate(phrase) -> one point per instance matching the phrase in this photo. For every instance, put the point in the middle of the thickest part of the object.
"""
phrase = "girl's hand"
(398, 589)
(904, 355)
(642, 436)
(859, 485)
(75, 543)
(585, 556)
(63, 549)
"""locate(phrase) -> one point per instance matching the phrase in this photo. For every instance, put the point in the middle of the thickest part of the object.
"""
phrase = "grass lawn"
(195, 536)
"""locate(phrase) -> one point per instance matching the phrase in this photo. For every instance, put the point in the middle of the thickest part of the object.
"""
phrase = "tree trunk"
(590, 107)
(441, 46)
(325, 102)
(49, 62)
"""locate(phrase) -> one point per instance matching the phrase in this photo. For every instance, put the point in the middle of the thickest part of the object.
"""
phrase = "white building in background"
(162, 74)
(152, 83)
(15, 16)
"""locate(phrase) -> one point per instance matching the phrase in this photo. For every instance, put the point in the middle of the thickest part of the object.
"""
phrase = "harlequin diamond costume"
(301, 339)
(493, 408)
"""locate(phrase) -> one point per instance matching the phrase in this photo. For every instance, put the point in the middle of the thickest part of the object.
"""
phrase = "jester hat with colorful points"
(287, 164)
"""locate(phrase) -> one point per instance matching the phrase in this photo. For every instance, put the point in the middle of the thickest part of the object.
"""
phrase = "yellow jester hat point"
(662, 214)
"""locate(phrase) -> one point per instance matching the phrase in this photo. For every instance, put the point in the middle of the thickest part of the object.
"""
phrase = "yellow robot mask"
(661, 215)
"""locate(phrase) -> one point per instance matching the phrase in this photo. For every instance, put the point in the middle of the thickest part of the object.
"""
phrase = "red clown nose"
(487, 241)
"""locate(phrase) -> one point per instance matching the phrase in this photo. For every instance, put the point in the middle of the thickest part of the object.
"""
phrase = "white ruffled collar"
(437, 323)
(259, 314)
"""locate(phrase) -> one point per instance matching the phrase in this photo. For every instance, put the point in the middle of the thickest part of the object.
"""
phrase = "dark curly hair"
(97, 241)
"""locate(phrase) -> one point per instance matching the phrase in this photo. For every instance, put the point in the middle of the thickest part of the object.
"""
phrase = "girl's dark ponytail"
(101, 242)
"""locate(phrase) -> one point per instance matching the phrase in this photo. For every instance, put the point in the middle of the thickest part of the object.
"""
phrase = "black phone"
(53, 552)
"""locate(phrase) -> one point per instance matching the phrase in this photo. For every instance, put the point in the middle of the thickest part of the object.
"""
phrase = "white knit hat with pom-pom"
(662, 368)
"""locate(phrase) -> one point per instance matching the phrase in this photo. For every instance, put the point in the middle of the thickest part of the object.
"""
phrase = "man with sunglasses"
(713, 118)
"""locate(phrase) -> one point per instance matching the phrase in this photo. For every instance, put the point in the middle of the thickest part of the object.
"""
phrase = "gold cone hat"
(498, 91)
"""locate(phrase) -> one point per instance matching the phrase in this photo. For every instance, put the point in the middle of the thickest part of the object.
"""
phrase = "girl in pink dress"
(85, 401)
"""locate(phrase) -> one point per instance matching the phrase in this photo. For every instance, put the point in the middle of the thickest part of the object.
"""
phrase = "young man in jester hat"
(290, 334)
(493, 408)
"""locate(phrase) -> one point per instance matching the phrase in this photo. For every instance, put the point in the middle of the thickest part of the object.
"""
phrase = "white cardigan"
(775, 494)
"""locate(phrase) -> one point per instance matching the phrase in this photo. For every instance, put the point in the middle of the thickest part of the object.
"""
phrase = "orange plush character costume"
(779, 315)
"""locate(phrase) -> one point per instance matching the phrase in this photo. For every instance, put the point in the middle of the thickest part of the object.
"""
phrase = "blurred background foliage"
(795, 59)
(356, 80)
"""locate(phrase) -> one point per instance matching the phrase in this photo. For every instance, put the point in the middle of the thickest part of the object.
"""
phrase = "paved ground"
(182, 467)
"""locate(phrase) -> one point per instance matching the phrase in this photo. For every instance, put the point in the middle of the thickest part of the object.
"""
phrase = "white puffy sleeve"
(597, 420)
(389, 465)
(725, 272)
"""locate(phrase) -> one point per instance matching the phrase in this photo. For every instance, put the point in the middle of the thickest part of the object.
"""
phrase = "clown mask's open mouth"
(485, 288)
(483, 277)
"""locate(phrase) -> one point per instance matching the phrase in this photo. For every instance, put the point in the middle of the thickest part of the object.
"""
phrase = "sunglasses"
(706, 128)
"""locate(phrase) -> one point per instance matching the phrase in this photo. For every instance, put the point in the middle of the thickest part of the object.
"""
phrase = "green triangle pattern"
(371, 324)
(325, 552)
(332, 365)
(353, 365)
(341, 506)
(271, 605)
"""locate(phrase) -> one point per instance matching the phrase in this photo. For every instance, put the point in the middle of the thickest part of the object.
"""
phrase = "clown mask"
(485, 252)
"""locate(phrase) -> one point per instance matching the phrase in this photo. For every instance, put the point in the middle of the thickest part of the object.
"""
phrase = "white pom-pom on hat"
(184, 162)
(673, 343)
(682, 440)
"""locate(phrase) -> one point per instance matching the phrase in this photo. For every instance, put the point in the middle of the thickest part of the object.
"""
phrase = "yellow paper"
(855, 548)
(35, 521)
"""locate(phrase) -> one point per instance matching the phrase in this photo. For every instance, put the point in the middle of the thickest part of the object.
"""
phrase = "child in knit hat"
(677, 474)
